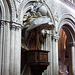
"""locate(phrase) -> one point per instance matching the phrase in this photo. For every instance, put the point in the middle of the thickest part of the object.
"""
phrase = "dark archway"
(65, 52)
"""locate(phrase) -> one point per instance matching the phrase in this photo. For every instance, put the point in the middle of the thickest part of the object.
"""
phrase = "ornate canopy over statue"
(36, 19)
(37, 16)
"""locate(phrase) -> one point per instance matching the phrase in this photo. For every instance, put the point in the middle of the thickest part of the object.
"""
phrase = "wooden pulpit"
(37, 60)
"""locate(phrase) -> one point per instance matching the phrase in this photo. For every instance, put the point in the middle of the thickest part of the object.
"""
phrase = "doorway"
(64, 52)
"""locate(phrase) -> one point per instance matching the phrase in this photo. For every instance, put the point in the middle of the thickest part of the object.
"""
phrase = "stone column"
(72, 44)
(17, 58)
(49, 48)
(6, 49)
(3, 47)
(49, 72)
(47, 41)
(55, 55)
(1, 38)
(12, 49)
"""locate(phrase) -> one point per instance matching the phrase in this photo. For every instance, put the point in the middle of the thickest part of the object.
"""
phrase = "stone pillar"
(72, 45)
(12, 49)
(47, 41)
(50, 59)
(1, 38)
(17, 58)
(55, 55)
(3, 47)
(49, 48)
(6, 49)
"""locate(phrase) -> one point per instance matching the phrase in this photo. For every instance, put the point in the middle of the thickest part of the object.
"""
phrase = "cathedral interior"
(37, 37)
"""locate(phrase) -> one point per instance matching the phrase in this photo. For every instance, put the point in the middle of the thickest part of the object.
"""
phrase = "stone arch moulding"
(12, 8)
(68, 21)
(25, 5)
(8, 10)
(2, 10)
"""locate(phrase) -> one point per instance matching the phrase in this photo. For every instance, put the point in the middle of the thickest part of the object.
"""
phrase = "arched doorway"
(65, 50)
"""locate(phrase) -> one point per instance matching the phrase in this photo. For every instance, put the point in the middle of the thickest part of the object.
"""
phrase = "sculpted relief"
(35, 20)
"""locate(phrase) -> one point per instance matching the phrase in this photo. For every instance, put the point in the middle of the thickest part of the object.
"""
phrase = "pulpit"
(37, 60)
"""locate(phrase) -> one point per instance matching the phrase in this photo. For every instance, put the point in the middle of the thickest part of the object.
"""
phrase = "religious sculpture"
(35, 20)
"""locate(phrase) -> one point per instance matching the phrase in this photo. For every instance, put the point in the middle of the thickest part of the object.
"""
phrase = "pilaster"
(1, 38)
(17, 58)
(5, 48)
(72, 45)
(55, 55)
(49, 48)
(12, 49)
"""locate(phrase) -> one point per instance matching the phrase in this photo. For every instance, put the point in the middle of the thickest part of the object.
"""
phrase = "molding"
(2, 9)
(56, 37)
(68, 3)
(13, 25)
(71, 44)
(17, 1)
(2, 24)
(13, 9)
(27, 3)
(66, 19)
(11, 22)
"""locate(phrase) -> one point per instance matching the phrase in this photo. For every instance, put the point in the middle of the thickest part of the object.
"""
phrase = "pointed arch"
(67, 22)
(26, 4)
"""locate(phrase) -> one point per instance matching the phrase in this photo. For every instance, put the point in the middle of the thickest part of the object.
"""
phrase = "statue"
(36, 18)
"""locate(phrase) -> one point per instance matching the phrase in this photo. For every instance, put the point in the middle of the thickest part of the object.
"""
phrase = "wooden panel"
(37, 57)
(43, 57)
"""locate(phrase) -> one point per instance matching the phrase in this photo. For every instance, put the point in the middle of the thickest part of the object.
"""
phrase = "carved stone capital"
(15, 25)
(12, 27)
(56, 37)
(1, 24)
(18, 1)
(72, 44)
(17, 28)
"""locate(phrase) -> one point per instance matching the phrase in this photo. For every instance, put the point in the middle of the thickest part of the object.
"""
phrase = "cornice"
(56, 37)
(11, 23)
(72, 44)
